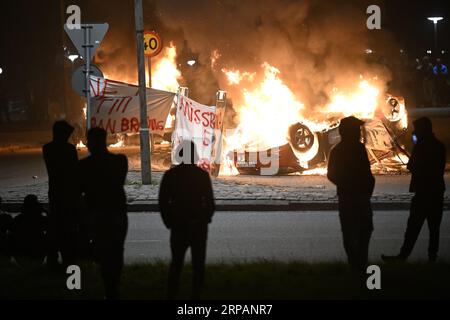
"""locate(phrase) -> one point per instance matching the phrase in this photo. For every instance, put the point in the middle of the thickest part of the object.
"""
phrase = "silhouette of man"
(349, 170)
(29, 233)
(61, 160)
(5, 229)
(427, 165)
(103, 176)
(186, 203)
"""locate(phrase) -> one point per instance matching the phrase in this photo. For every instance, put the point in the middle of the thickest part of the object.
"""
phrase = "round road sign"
(79, 78)
(152, 44)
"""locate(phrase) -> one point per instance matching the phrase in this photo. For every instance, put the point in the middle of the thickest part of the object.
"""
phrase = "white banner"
(115, 107)
(195, 122)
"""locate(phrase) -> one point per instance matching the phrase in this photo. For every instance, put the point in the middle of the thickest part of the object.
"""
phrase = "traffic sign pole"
(144, 134)
(152, 46)
(149, 66)
(87, 53)
(86, 39)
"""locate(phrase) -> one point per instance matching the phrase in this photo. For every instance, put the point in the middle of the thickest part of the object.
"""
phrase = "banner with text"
(195, 122)
(115, 107)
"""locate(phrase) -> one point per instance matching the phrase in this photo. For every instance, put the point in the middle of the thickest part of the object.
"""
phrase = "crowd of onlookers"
(423, 82)
(87, 218)
(186, 202)
(432, 75)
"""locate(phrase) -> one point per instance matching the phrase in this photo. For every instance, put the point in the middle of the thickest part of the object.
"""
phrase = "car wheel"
(304, 142)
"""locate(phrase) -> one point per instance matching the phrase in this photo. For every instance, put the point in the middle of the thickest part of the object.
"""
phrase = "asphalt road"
(285, 236)
(24, 166)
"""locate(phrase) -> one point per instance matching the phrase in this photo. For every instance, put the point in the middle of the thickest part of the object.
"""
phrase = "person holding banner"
(187, 205)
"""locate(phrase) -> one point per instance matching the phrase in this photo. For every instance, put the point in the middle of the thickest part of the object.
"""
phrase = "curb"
(252, 205)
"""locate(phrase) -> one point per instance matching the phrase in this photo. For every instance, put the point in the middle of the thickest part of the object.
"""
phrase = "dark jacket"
(349, 170)
(186, 195)
(29, 234)
(102, 181)
(427, 165)
(61, 160)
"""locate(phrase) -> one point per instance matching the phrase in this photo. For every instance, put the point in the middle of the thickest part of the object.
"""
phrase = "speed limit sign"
(152, 44)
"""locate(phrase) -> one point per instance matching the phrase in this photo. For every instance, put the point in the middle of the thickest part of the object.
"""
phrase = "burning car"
(308, 148)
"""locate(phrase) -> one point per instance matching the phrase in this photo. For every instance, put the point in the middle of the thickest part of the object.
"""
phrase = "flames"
(165, 74)
(269, 109)
(361, 103)
(266, 106)
(266, 112)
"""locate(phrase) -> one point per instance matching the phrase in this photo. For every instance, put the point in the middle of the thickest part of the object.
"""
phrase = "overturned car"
(383, 135)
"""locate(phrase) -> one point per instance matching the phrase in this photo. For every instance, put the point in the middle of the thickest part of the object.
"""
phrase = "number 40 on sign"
(152, 44)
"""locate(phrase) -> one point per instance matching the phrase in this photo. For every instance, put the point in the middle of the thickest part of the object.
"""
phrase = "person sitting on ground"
(29, 233)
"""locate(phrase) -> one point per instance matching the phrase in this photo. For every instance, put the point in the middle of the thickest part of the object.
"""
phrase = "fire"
(215, 55)
(165, 74)
(266, 112)
(119, 144)
(236, 76)
(269, 109)
(80, 144)
(264, 115)
(361, 103)
(320, 171)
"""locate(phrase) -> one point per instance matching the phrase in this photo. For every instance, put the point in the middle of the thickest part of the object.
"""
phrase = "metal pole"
(182, 91)
(144, 134)
(435, 40)
(87, 71)
(149, 66)
(221, 104)
(64, 104)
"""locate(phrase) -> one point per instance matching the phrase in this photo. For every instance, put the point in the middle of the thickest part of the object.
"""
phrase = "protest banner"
(115, 107)
(195, 122)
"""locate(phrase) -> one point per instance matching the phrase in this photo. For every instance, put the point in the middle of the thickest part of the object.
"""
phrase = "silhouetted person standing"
(5, 230)
(349, 170)
(103, 176)
(61, 160)
(29, 233)
(427, 165)
(187, 205)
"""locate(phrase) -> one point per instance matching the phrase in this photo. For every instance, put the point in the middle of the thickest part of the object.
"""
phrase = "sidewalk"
(248, 193)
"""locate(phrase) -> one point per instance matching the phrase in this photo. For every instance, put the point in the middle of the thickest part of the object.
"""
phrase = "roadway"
(285, 236)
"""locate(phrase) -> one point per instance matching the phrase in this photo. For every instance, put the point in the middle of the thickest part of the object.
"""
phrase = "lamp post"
(435, 22)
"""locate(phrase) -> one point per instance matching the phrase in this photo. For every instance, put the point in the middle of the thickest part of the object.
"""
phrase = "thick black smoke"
(316, 45)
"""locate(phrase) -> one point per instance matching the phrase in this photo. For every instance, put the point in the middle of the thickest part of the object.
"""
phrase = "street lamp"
(1, 70)
(191, 62)
(435, 21)
(73, 57)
